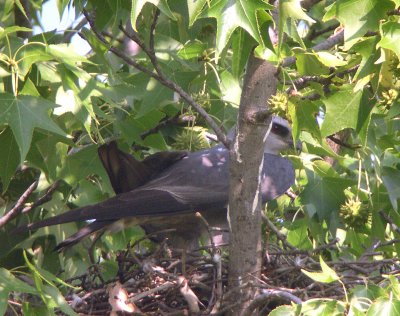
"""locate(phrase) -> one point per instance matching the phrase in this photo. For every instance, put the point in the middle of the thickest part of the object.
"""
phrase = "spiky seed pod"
(354, 213)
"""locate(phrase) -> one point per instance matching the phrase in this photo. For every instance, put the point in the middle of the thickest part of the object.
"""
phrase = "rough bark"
(246, 157)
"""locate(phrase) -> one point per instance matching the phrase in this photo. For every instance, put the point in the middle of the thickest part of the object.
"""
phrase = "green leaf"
(3, 300)
(194, 9)
(242, 45)
(345, 109)
(309, 64)
(156, 97)
(9, 157)
(384, 306)
(283, 310)
(330, 60)
(303, 116)
(327, 275)
(81, 164)
(391, 180)
(298, 235)
(230, 88)
(58, 299)
(24, 114)
(191, 50)
(11, 283)
(324, 195)
(231, 14)
(290, 11)
(12, 29)
(367, 49)
(391, 37)
(321, 307)
(359, 16)
(137, 6)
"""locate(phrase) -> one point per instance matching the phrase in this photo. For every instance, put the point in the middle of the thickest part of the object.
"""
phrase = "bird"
(165, 190)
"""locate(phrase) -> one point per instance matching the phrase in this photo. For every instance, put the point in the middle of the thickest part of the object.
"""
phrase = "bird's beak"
(298, 146)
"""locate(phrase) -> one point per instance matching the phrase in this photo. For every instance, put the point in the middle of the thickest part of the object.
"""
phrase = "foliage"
(56, 106)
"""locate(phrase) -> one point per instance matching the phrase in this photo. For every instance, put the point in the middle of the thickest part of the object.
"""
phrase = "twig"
(276, 231)
(209, 230)
(157, 289)
(315, 33)
(158, 75)
(394, 12)
(328, 43)
(18, 207)
(343, 144)
(68, 34)
(43, 199)
(261, 299)
(153, 31)
(386, 217)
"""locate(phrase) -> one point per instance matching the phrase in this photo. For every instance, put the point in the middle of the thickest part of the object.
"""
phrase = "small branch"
(302, 82)
(69, 33)
(386, 217)
(276, 231)
(153, 31)
(158, 75)
(315, 33)
(18, 207)
(394, 12)
(325, 45)
(261, 299)
(343, 144)
(209, 231)
(295, 252)
(45, 198)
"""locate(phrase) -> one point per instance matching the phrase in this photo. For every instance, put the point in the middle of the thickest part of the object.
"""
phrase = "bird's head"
(280, 137)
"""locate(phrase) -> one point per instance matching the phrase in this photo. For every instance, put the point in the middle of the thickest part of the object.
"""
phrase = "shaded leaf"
(24, 114)
(9, 158)
(391, 180)
(324, 195)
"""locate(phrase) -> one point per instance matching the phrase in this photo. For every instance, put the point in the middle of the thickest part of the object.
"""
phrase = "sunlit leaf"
(359, 16)
(137, 6)
(231, 14)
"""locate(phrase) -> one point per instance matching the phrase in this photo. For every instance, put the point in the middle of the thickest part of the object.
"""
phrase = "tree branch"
(158, 75)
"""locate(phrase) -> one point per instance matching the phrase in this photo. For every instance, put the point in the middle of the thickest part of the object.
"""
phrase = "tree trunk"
(246, 157)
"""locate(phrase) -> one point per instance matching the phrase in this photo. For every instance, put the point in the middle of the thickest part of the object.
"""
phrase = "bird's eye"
(280, 130)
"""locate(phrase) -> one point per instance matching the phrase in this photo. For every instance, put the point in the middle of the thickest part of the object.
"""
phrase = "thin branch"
(18, 207)
(263, 298)
(276, 231)
(153, 30)
(343, 144)
(325, 45)
(158, 75)
(386, 217)
(69, 33)
(315, 33)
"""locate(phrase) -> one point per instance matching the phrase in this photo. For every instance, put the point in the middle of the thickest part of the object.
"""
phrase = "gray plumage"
(165, 191)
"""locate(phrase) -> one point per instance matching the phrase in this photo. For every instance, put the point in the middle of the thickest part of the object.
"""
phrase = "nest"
(173, 282)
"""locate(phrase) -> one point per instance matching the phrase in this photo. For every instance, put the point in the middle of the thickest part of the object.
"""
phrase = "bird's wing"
(126, 173)
(197, 182)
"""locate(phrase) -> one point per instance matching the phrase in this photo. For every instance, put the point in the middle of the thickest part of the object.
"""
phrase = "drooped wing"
(197, 182)
(126, 173)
